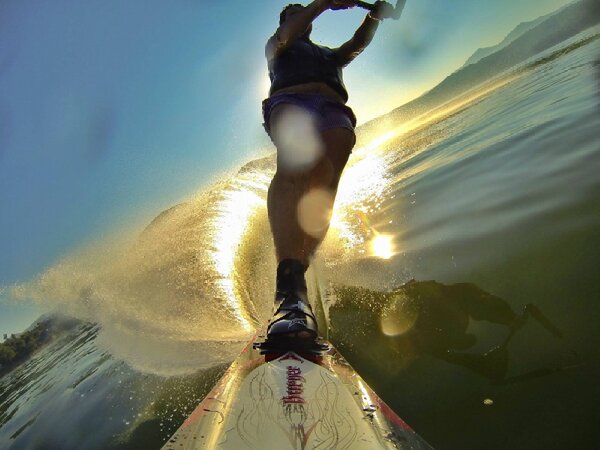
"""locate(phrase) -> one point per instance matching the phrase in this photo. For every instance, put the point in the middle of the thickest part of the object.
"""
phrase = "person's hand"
(340, 4)
(382, 10)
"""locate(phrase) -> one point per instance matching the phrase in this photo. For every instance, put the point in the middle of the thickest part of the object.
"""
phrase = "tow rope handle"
(397, 9)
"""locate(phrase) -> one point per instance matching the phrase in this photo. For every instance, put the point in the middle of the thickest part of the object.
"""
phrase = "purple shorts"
(327, 112)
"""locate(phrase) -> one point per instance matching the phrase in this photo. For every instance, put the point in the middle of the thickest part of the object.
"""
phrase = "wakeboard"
(293, 400)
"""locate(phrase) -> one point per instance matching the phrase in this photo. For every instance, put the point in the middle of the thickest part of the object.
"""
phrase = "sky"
(112, 111)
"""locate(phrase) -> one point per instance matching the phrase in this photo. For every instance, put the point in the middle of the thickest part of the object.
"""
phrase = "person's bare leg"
(291, 127)
(293, 245)
(326, 175)
(285, 192)
(288, 188)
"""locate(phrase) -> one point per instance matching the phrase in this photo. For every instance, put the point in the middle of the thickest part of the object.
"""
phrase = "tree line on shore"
(19, 347)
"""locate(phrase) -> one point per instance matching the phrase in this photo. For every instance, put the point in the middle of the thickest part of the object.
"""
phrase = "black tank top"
(305, 62)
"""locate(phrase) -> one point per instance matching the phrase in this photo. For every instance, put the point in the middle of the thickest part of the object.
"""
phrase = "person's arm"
(297, 24)
(294, 27)
(364, 34)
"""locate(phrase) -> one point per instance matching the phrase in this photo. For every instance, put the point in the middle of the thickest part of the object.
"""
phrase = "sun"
(382, 246)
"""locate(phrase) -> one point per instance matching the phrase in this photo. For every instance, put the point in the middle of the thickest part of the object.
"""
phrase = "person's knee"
(328, 171)
(289, 181)
(324, 174)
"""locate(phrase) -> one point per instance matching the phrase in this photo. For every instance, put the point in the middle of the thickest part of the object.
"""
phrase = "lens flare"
(314, 211)
(298, 142)
(398, 316)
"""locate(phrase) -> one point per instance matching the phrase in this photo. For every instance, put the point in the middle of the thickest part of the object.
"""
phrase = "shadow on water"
(430, 318)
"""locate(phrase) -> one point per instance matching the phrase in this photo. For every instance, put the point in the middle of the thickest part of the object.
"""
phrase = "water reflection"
(459, 323)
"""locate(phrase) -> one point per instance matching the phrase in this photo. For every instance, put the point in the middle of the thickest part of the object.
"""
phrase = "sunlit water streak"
(229, 226)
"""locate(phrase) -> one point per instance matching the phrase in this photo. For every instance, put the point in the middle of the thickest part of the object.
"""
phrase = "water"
(504, 194)
(498, 191)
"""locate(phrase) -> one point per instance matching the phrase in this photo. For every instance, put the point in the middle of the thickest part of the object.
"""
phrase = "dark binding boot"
(294, 326)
